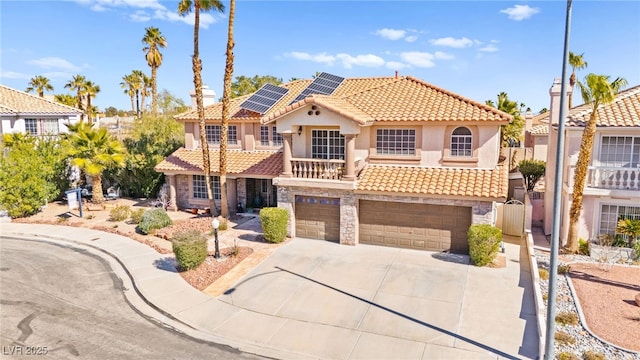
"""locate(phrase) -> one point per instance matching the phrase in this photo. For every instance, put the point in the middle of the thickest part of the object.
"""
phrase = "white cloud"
(391, 34)
(418, 58)
(443, 55)
(14, 75)
(520, 12)
(54, 63)
(396, 65)
(452, 42)
(411, 38)
(323, 58)
(103, 5)
(489, 48)
(139, 16)
(368, 60)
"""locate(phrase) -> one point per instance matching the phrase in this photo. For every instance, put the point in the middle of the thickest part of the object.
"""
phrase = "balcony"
(317, 169)
(612, 178)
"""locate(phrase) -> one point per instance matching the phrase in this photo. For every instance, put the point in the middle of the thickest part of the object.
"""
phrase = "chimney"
(208, 97)
(396, 74)
(554, 106)
(528, 120)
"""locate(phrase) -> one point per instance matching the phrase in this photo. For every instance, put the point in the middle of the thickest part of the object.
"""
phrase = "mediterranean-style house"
(27, 113)
(392, 161)
(612, 188)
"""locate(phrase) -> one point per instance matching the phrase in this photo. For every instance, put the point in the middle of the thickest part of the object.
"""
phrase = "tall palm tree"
(596, 90)
(77, 84)
(39, 84)
(128, 84)
(154, 40)
(93, 151)
(576, 62)
(138, 83)
(90, 90)
(226, 97)
(184, 8)
(512, 132)
(65, 99)
(145, 87)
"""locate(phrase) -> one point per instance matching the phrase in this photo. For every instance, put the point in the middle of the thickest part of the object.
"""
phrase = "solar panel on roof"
(262, 100)
(323, 84)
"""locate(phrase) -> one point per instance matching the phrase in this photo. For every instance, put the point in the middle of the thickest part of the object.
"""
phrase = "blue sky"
(475, 48)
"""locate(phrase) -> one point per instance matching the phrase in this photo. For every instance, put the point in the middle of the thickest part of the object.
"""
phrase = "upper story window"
(396, 142)
(327, 144)
(461, 140)
(620, 151)
(277, 137)
(213, 134)
(200, 187)
(264, 135)
(38, 127)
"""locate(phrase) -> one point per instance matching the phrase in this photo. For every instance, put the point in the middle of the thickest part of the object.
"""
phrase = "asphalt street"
(67, 303)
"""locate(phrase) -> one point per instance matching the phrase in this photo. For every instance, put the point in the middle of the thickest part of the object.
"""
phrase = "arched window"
(461, 142)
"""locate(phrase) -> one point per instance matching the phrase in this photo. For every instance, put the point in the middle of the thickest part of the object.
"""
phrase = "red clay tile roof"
(365, 100)
(454, 182)
(16, 102)
(256, 163)
(542, 129)
(624, 111)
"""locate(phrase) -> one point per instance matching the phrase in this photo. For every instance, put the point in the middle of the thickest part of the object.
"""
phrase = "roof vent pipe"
(396, 74)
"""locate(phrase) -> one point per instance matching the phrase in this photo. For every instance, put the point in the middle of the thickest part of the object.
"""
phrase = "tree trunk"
(197, 81)
(572, 84)
(138, 104)
(154, 92)
(133, 105)
(89, 119)
(584, 159)
(228, 74)
(97, 189)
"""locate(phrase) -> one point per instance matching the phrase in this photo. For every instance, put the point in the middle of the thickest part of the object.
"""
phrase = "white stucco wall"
(12, 124)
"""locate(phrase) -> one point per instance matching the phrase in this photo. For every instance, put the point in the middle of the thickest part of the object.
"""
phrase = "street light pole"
(216, 225)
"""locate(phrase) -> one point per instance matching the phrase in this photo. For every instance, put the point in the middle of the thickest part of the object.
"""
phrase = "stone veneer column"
(286, 155)
(350, 140)
(172, 193)
(349, 223)
(285, 201)
(482, 213)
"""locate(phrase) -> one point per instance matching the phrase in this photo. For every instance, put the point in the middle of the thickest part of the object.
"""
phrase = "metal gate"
(513, 218)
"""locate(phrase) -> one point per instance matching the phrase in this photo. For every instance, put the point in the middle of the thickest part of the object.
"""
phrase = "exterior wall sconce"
(299, 130)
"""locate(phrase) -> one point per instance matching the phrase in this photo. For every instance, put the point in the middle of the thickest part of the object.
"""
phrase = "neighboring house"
(27, 113)
(537, 135)
(612, 188)
(387, 160)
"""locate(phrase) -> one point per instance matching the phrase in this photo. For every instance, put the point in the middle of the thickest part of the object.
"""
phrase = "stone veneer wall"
(182, 191)
(481, 211)
(241, 192)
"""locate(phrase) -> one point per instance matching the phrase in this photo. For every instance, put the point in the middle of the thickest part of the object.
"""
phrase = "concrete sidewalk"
(316, 299)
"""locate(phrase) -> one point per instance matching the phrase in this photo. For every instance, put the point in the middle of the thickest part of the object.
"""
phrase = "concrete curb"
(540, 305)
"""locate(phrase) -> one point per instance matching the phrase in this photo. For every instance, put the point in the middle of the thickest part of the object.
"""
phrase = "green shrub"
(592, 355)
(484, 243)
(583, 247)
(154, 219)
(567, 318)
(190, 248)
(564, 268)
(119, 213)
(567, 356)
(544, 274)
(274, 224)
(136, 216)
(563, 338)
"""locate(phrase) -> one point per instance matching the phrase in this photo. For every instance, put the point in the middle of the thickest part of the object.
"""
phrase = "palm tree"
(138, 83)
(65, 99)
(128, 84)
(90, 90)
(596, 90)
(576, 62)
(39, 84)
(153, 40)
(184, 8)
(512, 132)
(93, 151)
(226, 97)
(144, 90)
(77, 83)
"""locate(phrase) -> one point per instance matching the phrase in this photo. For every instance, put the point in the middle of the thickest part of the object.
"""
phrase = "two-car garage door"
(415, 226)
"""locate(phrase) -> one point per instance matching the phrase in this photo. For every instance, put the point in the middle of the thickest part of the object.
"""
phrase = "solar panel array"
(264, 99)
(324, 84)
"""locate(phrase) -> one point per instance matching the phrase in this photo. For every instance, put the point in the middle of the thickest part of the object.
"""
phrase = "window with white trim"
(277, 137)
(264, 135)
(610, 214)
(200, 187)
(327, 144)
(396, 141)
(619, 151)
(461, 142)
(38, 127)
(213, 134)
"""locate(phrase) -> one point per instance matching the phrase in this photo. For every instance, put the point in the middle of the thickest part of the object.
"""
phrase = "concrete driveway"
(333, 301)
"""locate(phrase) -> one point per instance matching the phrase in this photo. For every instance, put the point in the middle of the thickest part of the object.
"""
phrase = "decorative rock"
(500, 261)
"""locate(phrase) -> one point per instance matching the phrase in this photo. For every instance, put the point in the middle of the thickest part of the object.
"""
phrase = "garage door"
(318, 218)
(415, 226)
